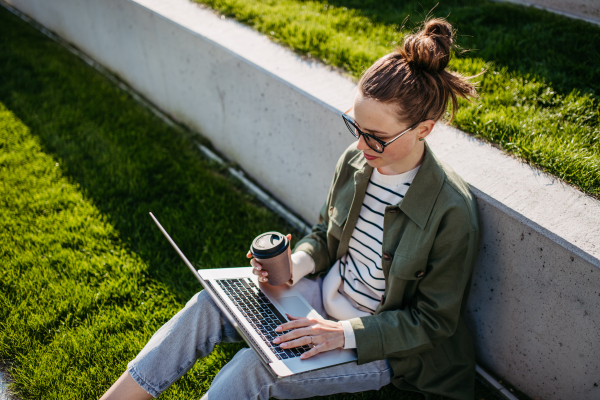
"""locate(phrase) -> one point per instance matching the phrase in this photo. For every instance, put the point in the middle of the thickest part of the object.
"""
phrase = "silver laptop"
(255, 309)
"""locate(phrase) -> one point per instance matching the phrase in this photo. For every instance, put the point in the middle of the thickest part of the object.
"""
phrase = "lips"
(368, 157)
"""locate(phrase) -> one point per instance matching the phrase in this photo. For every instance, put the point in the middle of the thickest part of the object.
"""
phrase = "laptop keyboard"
(260, 313)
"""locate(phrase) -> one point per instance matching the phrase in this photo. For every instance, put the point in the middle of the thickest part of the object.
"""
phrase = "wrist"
(341, 328)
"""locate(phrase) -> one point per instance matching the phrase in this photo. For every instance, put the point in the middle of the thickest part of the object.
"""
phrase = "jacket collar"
(422, 194)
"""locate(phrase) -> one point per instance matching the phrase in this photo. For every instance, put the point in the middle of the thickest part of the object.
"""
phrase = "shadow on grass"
(562, 51)
(127, 162)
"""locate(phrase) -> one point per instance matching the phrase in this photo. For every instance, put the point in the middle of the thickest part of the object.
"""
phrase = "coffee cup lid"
(268, 243)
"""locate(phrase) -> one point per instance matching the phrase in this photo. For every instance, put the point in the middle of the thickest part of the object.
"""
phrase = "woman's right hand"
(257, 269)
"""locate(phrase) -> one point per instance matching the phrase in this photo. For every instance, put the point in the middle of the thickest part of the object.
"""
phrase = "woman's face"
(379, 119)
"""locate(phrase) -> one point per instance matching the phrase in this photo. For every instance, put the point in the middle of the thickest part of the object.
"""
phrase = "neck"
(410, 162)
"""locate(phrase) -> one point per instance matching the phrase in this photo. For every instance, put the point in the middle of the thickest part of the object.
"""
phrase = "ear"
(425, 128)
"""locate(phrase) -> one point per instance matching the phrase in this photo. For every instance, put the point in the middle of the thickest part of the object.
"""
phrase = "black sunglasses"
(374, 143)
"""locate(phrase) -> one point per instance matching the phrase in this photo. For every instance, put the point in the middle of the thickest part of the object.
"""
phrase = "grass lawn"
(539, 97)
(86, 277)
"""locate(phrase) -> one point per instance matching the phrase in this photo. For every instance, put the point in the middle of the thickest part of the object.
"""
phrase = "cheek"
(398, 152)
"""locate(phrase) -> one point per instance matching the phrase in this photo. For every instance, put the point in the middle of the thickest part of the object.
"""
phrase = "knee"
(247, 360)
(255, 372)
(199, 300)
(252, 378)
(199, 304)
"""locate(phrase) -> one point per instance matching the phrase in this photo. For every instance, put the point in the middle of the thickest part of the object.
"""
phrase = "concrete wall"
(533, 308)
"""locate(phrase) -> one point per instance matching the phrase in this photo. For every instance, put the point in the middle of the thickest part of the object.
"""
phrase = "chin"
(374, 163)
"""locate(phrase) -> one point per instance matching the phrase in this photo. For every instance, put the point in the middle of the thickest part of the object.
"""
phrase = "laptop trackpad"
(294, 306)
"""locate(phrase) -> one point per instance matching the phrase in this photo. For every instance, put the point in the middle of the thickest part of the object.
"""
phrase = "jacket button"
(419, 274)
(330, 211)
(387, 256)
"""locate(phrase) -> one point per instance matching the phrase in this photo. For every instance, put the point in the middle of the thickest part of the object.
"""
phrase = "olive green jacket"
(429, 246)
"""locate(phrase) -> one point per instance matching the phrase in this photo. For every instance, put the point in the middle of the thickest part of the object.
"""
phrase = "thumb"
(289, 236)
(249, 255)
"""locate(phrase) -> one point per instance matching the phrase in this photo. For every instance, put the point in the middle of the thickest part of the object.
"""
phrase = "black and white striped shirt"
(355, 284)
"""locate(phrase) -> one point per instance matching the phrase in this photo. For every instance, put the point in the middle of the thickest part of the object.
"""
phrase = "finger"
(261, 277)
(301, 341)
(257, 268)
(292, 317)
(295, 334)
(320, 348)
(296, 323)
(289, 236)
(249, 255)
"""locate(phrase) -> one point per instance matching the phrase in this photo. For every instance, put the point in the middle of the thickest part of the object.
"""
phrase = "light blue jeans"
(195, 330)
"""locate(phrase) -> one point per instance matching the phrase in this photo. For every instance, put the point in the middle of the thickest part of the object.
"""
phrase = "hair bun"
(429, 49)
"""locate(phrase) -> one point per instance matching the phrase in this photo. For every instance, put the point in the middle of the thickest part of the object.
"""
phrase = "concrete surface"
(588, 10)
(536, 285)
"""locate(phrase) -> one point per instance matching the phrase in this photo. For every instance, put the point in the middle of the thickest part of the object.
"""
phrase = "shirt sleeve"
(349, 339)
(302, 265)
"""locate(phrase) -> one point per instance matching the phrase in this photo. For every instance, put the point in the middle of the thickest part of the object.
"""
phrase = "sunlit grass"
(538, 99)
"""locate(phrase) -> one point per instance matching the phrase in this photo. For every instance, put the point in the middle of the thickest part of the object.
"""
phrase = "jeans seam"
(256, 396)
(143, 383)
(177, 375)
(342, 376)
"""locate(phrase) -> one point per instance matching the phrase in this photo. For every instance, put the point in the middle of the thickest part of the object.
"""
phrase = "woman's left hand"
(326, 335)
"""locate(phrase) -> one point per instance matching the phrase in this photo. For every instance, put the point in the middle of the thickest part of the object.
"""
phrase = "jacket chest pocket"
(338, 215)
(404, 278)
(408, 269)
(411, 255)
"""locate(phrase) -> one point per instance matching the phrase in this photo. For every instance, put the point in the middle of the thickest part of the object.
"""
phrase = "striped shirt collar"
(420, 197)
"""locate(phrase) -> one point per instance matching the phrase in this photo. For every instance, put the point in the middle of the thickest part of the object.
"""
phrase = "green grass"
(539, 97)
(86, 277)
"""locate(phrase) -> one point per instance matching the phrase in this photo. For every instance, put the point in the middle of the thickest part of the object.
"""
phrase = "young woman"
(388, 265)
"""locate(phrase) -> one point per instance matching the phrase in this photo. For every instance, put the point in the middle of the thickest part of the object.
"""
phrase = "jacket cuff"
(302, 265)
(369, 343)
(349, 339)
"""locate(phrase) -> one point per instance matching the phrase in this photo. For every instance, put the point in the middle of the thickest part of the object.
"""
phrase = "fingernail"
(278, 328)
(264, 273)
(277, 340)
(258, 267)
